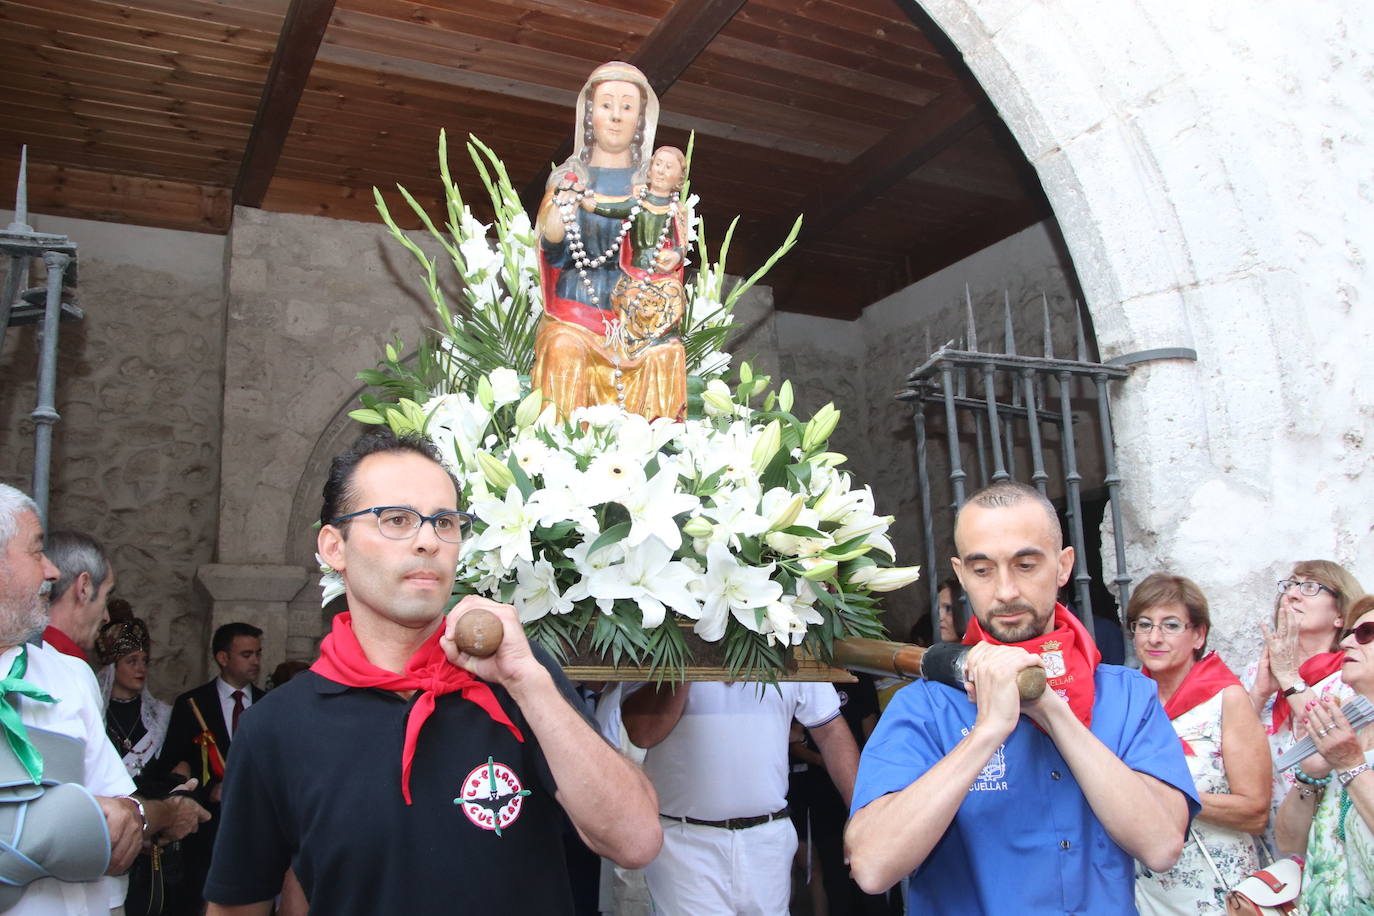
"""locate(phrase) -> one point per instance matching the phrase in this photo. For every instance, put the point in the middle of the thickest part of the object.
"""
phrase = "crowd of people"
(396, 773)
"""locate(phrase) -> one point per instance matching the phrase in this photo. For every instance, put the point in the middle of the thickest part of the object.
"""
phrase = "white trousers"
(710, 871)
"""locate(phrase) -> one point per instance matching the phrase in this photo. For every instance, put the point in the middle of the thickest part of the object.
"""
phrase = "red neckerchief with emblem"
(1075, 646)
(1208, 677)
(1315, 669)
(342, 660)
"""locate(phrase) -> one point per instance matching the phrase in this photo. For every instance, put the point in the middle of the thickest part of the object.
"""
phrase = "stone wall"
(136, 453)
(1208, 165)
(310, 302)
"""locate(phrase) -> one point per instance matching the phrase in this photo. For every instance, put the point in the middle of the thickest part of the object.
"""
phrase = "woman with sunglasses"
(1222, 742)
(1299, 661)
(1330, 818)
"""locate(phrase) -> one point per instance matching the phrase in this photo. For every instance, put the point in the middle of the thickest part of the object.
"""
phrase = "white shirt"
(79, 714)
(226, 702)
(727, 755)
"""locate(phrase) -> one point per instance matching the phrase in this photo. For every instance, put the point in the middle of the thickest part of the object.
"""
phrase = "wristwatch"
(1298, 687)
(1348, 776)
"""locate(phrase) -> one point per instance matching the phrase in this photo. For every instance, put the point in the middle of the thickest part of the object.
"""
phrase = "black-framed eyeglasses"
(1308, 587)
(1364, 633)
(1171, 626)
(400, 524)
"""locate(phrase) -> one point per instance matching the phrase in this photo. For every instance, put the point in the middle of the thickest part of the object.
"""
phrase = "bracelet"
(1307, 791)
(1348, 776)
(1302, 777)
(142, 814)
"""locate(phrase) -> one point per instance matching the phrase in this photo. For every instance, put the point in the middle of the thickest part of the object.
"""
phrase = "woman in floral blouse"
(1223, 742)
(1329, 817)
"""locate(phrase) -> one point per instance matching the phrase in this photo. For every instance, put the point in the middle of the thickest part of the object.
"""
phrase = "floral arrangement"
(605, 529)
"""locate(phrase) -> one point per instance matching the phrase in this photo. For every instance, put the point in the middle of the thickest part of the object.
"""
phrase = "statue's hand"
(667, 260)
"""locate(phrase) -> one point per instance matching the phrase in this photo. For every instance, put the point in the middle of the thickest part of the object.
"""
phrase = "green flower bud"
(496, 473)
(529, 409)
(767, 446)
(819, 428)
(823, 569)
(787, 516)
(485, 396)
(785, 395)
(698, 527)
(718, 403)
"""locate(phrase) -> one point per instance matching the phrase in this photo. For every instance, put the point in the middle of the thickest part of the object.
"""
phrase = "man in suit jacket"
(198, 745)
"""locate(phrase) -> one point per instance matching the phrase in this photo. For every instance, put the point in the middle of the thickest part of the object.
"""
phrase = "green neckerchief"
(15, 732)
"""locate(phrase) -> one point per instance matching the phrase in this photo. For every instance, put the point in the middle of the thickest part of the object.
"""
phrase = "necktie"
(238, 711)
(15, 732)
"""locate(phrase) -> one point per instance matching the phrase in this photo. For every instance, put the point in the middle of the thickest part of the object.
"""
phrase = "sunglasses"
(1364, 633)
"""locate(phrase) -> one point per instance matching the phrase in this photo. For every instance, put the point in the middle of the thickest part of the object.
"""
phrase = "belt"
(733, 823)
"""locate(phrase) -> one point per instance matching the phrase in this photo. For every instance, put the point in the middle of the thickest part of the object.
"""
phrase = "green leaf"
(612, 535)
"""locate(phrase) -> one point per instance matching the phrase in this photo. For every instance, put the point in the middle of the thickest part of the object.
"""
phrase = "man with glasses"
(399, 774)
(994, 804)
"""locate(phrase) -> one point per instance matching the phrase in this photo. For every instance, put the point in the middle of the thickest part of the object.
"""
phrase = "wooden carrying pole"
(880, 657)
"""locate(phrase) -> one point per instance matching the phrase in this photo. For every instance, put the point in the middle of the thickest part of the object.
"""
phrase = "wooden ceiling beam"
(681, 35)
(905, 149)
(299, 42)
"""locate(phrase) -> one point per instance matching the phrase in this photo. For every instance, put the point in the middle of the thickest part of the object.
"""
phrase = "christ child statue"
(649, 299)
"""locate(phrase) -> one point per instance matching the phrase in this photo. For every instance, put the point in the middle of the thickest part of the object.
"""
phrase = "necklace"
(670, 215)
(568, 212)
(124, 736)
(1346, 802)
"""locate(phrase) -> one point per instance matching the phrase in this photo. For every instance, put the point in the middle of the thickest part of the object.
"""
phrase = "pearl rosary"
(568, 211)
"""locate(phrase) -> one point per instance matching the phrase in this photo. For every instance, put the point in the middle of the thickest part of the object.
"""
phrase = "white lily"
(509, 523)
(877, 579)
(727, 587)
(651, 579)
(789, 618)
(587, 565)
(536, 591)
(653, 507)
(482, 569)
(858, 525)
(735, 512)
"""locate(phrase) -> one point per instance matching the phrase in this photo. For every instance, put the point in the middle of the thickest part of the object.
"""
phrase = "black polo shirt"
(315, 783)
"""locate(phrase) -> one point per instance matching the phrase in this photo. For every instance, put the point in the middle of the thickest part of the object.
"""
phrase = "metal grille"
(1008, 404)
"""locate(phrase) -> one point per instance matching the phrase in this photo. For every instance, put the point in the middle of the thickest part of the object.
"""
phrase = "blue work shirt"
(1024, 840)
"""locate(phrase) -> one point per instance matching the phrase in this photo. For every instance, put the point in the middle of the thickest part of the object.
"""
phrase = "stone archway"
(1198, 214)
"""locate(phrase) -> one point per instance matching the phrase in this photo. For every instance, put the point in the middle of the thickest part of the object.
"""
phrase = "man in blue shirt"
(993, 804)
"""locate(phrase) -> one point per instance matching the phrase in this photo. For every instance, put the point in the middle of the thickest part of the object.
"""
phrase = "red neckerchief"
(63, 643)
(1207, 678)
(1317, 668)
(1075, 646)
(342, 661)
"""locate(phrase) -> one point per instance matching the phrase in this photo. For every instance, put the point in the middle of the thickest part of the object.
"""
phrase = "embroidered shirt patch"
(492, 796)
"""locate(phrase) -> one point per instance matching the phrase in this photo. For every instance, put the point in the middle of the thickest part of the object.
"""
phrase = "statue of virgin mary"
(581, 357)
